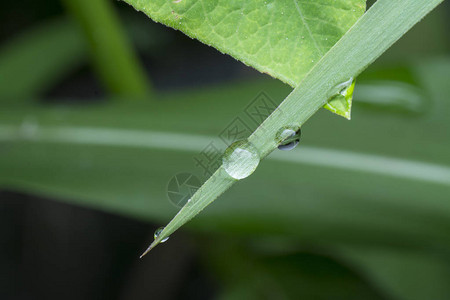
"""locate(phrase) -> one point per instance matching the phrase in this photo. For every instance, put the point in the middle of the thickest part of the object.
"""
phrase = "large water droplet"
(340, 98)
(158, 232)
(240, 159)
(288, 137)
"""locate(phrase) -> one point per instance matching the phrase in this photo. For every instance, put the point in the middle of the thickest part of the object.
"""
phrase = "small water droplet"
(288, 137)
(345, 85)
(240, 159)
(343, 88)
(158, 232)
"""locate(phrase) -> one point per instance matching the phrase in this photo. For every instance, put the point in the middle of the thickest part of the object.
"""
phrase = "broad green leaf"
(283, 38)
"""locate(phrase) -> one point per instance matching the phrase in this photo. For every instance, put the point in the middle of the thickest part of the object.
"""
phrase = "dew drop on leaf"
(345, 88)
(158, 232)
(340, 98)
(288, 137)
(240, 159)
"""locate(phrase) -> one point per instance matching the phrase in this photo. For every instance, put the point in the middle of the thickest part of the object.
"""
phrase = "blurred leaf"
(284, 39)
(120, 157)
(401, 273)
(27, 75)
(392, 95)
(317, 277)
(297, 275)
(35, 60)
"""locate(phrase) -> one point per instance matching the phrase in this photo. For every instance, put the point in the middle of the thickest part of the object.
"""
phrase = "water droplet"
(158, 232)
(343, 88)
(240, 159)
(288, 137)
(340, 98)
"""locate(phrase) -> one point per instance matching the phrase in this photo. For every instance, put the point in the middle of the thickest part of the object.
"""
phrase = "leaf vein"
(307, 27)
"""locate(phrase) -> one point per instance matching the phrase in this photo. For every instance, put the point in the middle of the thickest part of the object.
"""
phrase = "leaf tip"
(347, 115)
(152, 245)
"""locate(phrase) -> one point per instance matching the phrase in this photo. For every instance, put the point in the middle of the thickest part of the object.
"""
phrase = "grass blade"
(384, 23)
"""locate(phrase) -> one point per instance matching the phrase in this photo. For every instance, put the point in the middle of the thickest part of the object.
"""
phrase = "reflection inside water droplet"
(288, 137)
(345, 88)
(158, 232)
(240, 159)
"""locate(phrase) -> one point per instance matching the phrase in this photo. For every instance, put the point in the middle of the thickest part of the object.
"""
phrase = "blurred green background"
(100, 108)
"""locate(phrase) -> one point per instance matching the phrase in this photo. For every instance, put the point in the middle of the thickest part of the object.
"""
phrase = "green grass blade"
(374, 33)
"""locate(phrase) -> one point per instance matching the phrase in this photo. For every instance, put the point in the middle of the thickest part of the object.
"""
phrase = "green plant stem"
(384, 23)
(112, 54)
